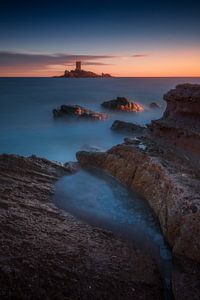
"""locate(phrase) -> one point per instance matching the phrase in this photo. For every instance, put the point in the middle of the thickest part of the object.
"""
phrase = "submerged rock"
(154, 105)
(123, 104)
(78, 111)
(123, 126)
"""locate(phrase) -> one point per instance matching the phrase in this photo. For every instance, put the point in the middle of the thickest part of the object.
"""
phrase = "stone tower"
(78, 65)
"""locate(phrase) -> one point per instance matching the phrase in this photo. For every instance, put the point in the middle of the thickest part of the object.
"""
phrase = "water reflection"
(97, 198)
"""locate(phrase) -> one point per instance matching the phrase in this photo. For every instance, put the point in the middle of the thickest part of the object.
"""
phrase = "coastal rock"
(123, 104)
(82, 74)
(46, 253)
(128, 127)
(172, 191)
(78, 111)
(180, 124)
(166, 180)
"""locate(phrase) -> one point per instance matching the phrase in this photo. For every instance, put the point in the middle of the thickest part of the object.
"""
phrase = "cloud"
(8, 59)
(139, 55)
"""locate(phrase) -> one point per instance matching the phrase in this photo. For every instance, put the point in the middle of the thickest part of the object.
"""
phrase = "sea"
(27, 125)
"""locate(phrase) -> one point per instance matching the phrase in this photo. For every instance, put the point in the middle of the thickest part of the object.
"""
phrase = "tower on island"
(78, 65)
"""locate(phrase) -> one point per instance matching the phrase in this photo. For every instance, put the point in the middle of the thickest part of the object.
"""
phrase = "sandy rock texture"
(180, 124)
(48, 254)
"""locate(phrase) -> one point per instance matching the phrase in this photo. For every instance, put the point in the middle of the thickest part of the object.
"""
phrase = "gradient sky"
(124, 38)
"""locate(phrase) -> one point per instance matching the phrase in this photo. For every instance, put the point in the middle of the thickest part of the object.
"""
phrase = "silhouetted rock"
(82, 74)
(128, 127)
(78, 111)
(123, 104)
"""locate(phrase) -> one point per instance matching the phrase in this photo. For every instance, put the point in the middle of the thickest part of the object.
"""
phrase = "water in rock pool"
(98, 199)
(27, 126)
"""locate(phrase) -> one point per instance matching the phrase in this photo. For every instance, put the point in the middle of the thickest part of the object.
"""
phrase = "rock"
(78, 111)
(92, 148)
(128, 127)
(180, 124)
(173, 199)
(82, 74)
(154, 105)
(163, 167)
(121, 103)
(46, 253)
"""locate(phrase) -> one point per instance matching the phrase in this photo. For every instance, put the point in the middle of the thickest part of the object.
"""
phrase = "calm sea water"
(27, 126)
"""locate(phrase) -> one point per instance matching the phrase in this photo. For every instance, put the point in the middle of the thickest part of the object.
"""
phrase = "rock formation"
(123, 104)
(78, 111)
(48, 254)
(128, 127)
(180, 124)
(78, 73)
(155, 167)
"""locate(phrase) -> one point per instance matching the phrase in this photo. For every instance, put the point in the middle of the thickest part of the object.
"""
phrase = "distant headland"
(79, 73)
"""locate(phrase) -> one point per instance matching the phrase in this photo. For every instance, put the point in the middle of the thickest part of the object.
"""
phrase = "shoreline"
(66, 257)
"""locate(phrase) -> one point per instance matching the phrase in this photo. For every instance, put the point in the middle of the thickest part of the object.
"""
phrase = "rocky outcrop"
(180, 124)
(78, 111)
(48, 254)
(172, 190)
(128, 127)
(82, 74)
(123, 104)
(164, 167)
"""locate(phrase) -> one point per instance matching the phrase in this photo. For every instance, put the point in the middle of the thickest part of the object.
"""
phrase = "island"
(79, 73)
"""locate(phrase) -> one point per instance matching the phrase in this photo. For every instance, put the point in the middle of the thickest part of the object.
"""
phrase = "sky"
(125, 38)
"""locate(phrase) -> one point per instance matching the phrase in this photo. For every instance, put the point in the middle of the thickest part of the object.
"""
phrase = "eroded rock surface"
(78, 111)
(180, 124)
(48, 254)
(172, 189)
(123, 104)
(164, 167)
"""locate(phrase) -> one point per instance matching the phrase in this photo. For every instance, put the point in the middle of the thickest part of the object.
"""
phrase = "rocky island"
(79, 73)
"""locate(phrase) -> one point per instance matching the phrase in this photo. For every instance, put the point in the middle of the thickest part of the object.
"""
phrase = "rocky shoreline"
(48, 254)
(157, 170)
(68, 259)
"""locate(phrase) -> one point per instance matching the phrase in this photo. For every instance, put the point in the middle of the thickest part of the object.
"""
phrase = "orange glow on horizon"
(171, 63)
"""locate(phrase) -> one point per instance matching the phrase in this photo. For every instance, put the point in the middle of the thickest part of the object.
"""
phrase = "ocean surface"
(27, 126)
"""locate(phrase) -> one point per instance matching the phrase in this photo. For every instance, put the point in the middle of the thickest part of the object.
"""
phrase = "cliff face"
(180, 124)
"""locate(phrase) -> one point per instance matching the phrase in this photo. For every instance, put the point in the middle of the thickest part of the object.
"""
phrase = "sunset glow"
(149, 41)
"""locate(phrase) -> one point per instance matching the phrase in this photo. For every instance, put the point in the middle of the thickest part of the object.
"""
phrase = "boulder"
(128, 127)
(78, 111)
(123, 104)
